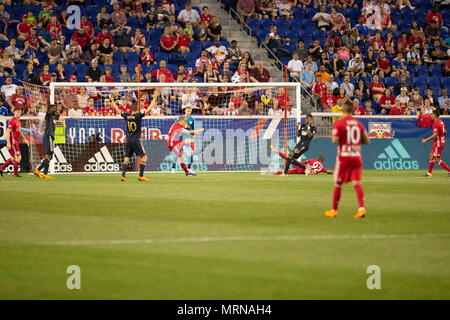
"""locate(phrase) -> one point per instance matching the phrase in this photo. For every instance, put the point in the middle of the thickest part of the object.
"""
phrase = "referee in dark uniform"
(134, 144)
(306, 133)
(48, 140)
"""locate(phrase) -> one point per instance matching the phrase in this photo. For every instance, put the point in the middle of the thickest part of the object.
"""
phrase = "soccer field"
(224, 236)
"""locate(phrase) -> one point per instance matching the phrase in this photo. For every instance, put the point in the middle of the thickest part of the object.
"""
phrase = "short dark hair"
(309, 115)
(348, 107)
(436, 112)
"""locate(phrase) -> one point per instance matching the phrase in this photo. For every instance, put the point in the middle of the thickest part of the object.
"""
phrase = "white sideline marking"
(238, 238)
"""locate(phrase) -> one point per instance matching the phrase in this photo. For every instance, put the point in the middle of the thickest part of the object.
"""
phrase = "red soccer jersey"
(359, 111)
(316, 166)
(329, 101)
(174, 134)
(19, 101)
(34, 41)
(24, 27)
(14, 126)
(350, 132)
(147, 57)
(88, 111)
(126, 108)
(439, 128)
(109, 78)
(107, 111)
(206, 18)
(384, 63)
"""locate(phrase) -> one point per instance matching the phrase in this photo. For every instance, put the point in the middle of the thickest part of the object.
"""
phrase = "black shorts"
(49, 144)
(299, 149)
(134, 146)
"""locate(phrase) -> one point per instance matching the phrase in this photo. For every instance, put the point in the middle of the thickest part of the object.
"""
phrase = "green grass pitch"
(223, 236)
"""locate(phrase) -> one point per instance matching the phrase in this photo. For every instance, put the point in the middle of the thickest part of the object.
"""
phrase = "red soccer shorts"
(14, 151)
(177, 148)
(437, 151)
(347, 171)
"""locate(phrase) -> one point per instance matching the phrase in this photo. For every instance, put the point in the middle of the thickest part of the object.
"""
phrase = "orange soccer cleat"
(331, 213)
(143, 179)
(37, 173)
(46, 176)
(360, 214)
(123, 179)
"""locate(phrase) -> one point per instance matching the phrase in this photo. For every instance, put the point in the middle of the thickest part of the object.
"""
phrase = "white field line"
(235, 238)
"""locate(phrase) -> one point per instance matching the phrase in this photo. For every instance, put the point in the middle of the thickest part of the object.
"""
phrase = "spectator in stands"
(416, 98)
(368, 108)
(426, 55)
(305, 3)
(82, 98)
(82, 38)
(29, 75)
(118, 16)
(376, 88)
(413, 55)
(215, 29)
(427, 108)
(55, 53)
(91, 54)
(443, 99)
(356, 67)
(124, 76)
(328, 100)
(246, 8)
(210, 75)
(284, 9)
(189, 15)
(318, 90)
(46, 13)
(387, 101)
(295, 66)
(339, 65)
(384, 64)
(323, 73)
(333, 40)
(13, 51)
(172, 23)
(337, 19)
(402, 99)
(348, 86)
(138, 41)
(399, 66)
(331, 83)
(429, 96)
(137, 76)
(219, 51)
(323, 19)
(120, 37)
(434, 15)
(445, 109)
(307, 76)
(432, 31)
(260, 74)
(87, 25)
(168, 42)
(243, 73)
(225, 72)
(206, 16)
(33, 40)
(104, 18)
(74, 52)
(201, 32)
(403, 84)
(302, 51)
(315, 50)
(18, 100)
(104, 35)
(201, 63)
(362, 91)
(358, 110)
(75, 111)
(410, 110)
(105, 52)
(24, 28)
(235, 54)
(8, 89)
(4, 21)
(45, 76)
(163, 71)
(438, 55)
(93, 71)
(60, 73)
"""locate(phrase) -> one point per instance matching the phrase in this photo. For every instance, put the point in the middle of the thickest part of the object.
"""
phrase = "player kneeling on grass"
(12, 143)
(175, 144)
(134, 144)
(48, 140)
(349, 134)
(438, 137)
(313, 166)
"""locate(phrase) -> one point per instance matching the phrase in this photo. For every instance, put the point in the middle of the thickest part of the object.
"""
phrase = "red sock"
(16, 167)
(184, 168)
(430, 166)
(359, 195)
(336, 196)
(282, 155)
(7, 163)
(444, 165)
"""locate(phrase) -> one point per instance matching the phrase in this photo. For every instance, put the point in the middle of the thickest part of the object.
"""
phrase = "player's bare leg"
(16, 164)
(361, 213)
(442, 164)
(5, 165)
(141, 169)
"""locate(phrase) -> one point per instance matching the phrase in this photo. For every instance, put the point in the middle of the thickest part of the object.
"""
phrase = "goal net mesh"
(240, 125)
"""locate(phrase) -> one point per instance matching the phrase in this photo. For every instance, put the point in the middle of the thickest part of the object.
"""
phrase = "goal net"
(241, 121)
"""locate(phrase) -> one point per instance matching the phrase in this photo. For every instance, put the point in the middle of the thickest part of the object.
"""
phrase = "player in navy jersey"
(306, 133)
(188, 125)
(48, 141)
(133, 133)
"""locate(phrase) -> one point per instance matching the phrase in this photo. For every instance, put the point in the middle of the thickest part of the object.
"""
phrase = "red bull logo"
(380, 130)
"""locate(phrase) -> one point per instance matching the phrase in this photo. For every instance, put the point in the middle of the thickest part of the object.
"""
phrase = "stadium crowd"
(388, 57)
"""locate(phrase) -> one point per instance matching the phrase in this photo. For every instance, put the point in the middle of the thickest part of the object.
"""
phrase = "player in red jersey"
(176, 144)
(438, 144)
(349, 134)
(313, 166)
(12, 143)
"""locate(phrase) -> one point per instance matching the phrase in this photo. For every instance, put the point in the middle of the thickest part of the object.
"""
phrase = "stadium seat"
(266, 23)
(422, 70)
(132, 58)
(435, 70)
(160, 56)
(175, 58)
